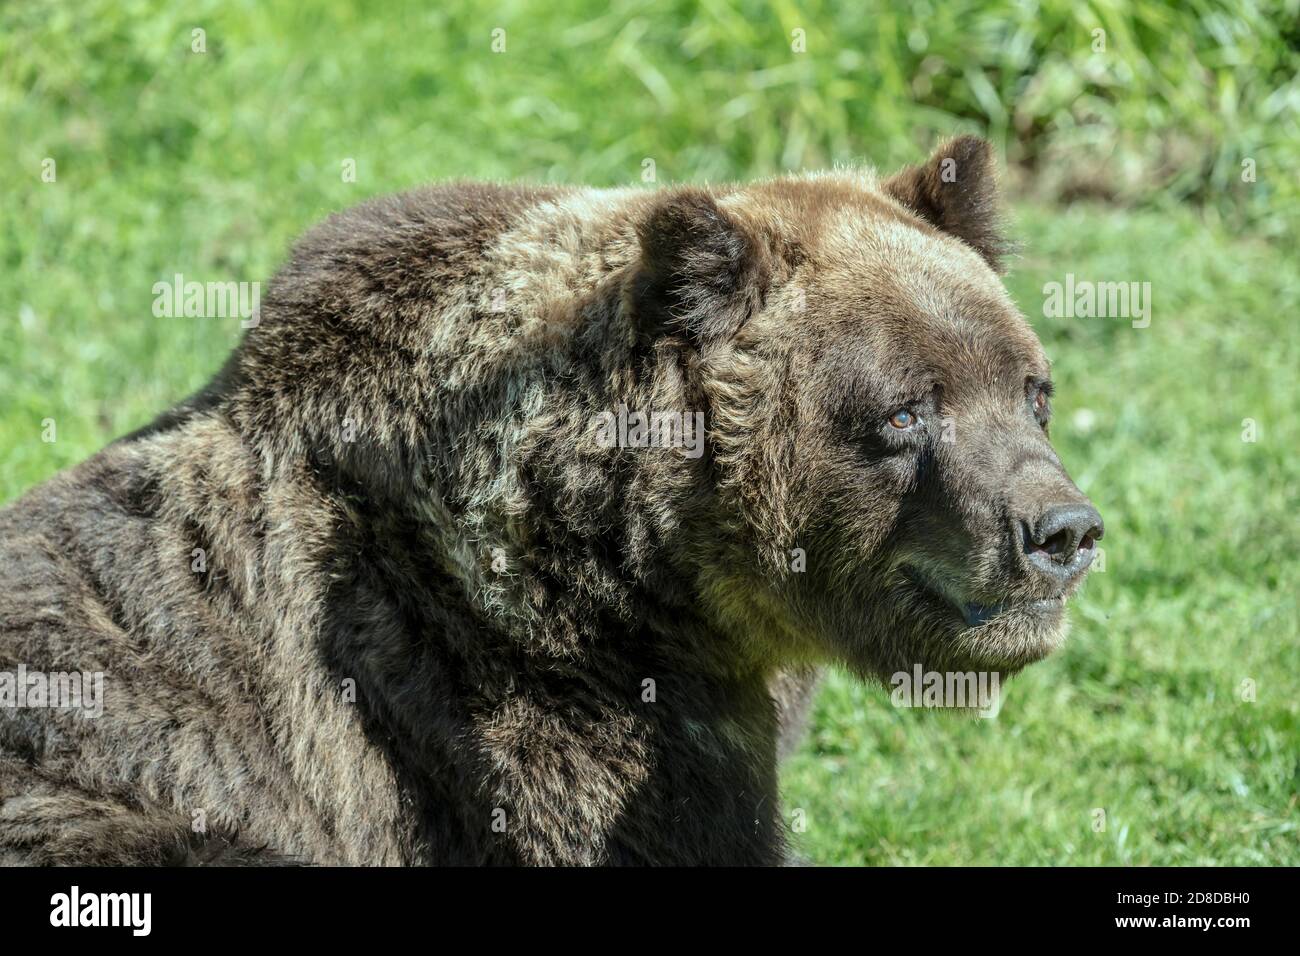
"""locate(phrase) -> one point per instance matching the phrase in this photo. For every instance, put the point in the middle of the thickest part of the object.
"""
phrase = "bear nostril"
(1058, 545)
(1064, 539)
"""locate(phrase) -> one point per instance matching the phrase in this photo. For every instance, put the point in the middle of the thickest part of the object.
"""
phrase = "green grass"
(209, 164)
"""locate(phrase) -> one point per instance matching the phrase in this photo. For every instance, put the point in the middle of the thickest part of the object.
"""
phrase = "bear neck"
(590, 713)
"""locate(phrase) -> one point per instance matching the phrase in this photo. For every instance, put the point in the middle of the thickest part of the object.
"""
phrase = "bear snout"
(1059, 546)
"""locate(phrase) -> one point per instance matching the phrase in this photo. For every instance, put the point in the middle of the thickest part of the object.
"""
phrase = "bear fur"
(379, 594)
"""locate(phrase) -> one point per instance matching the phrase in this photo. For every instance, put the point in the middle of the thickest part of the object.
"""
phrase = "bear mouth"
(974, 614)
(977, 615)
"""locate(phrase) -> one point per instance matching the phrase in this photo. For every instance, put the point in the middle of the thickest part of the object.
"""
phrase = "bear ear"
(701, 272)
(956, 191)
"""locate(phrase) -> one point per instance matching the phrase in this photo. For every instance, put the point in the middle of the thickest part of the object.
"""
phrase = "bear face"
(879, 414)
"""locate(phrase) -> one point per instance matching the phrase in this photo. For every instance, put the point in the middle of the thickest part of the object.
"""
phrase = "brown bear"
(491, 541)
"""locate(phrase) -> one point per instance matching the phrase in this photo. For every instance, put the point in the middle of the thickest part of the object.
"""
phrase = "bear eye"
(1040, 397)
(902, 419)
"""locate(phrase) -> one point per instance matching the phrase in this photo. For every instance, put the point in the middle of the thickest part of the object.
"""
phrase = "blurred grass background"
(1124, 163)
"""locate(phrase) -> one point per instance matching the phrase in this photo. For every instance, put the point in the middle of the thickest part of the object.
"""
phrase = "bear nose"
(1063, 542)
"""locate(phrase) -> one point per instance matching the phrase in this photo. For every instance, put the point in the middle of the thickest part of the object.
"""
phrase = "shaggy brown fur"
(436, 621)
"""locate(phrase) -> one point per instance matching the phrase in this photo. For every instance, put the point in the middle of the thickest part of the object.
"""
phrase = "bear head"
(880, 484)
